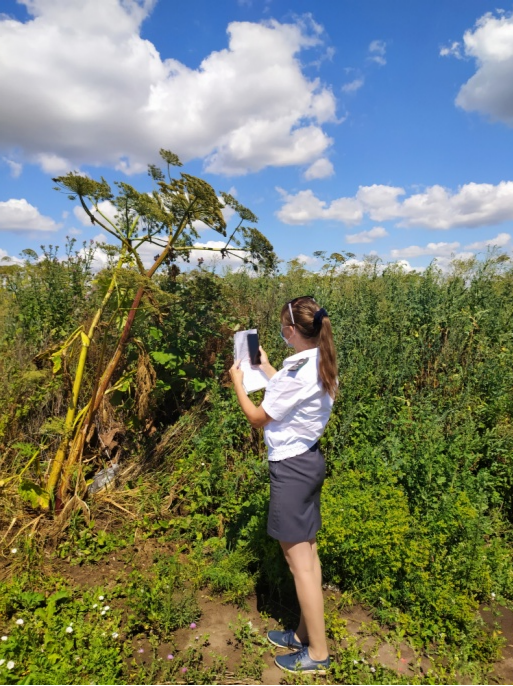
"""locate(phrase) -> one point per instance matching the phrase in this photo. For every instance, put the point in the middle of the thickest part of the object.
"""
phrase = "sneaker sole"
(320, 672)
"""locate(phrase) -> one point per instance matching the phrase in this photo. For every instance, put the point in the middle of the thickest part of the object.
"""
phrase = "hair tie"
(319, 316)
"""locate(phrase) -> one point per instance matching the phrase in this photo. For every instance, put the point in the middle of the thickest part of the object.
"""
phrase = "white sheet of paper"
(254, 378)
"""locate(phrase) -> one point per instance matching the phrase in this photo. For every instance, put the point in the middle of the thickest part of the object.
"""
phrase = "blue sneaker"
(284, 639)
(302, 662)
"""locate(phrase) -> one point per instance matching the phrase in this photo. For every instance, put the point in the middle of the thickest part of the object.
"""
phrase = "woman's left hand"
(236, 372)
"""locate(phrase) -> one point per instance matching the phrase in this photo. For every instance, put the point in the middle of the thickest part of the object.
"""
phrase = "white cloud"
(109, 210)
(307, 259)
(445, 262)
(471, 205)
(15, 167)
(377, 52)
(148, 252)
(5, 258)
(490, 89)
(305, 207)
(320, 169)
(53, 164)
(81, 86)
(364, 266)
(435, 249)
(74, 232)
(353, 85)
(367, 236)
(453, 49)
(406, 266)
(105, 207)
(501, 240)
(19, 215)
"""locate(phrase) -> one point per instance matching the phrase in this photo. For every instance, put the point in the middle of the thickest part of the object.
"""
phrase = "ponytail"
(328, 368)
(313, 322)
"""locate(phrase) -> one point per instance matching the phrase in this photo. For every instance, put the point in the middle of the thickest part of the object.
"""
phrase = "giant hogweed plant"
(164, 218)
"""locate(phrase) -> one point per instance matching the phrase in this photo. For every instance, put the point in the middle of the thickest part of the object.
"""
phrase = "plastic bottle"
(103, 479)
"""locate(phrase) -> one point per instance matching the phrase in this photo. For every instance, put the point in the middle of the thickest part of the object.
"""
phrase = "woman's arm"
(256, 416)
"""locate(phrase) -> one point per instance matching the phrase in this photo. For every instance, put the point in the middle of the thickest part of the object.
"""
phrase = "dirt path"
(218, 621)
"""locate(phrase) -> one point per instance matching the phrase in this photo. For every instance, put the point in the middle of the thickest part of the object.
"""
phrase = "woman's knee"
(300, 557)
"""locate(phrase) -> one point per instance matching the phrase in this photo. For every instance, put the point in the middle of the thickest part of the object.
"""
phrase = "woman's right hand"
(263, 356)
(265, 365)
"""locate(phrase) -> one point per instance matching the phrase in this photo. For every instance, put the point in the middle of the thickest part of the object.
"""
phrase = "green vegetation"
(417, 506)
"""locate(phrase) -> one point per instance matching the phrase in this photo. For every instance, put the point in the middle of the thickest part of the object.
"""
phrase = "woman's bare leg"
(301, 631)
(304, 564)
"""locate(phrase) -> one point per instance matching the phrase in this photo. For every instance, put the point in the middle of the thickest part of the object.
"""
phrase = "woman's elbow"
(256, 423)
(259, 422)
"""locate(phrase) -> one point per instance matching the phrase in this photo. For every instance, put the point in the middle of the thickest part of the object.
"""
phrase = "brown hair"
(303, 311)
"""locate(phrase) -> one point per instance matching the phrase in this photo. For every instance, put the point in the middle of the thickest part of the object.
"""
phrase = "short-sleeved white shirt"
(299, 406)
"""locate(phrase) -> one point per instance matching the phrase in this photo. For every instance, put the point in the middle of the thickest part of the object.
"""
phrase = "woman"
(294, 413)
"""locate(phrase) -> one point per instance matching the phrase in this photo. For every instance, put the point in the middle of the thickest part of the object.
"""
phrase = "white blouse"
(298, 404)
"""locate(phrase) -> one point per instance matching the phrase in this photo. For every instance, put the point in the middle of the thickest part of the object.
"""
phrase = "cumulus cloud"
(367, 236)
(490, 89)
(6, 258)
(377, 52)
(211, 258)
(109, 210)
(307, 260)
(320, 169)
(81, 86)
(472, 205)
(305, 207)
(105, 207)
(19, 215)
(148, 252)
(434, 249)
(500, 241)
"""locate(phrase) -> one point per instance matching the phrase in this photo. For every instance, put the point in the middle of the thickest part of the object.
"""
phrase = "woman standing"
(294, 413)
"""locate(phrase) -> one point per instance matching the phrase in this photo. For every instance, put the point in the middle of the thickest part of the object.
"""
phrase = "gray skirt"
(295, 505)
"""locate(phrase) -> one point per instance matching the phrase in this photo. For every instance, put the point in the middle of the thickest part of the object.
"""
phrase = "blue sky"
(363, 126)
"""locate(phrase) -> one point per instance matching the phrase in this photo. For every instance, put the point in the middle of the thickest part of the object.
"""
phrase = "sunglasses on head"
(294, 300)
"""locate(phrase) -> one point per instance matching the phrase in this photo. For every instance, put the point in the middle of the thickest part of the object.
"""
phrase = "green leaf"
(165, 358)
(33, 494)
(57, 362)
(55, 599)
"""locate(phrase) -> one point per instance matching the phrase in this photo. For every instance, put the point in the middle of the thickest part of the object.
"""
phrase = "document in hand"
(254, 378)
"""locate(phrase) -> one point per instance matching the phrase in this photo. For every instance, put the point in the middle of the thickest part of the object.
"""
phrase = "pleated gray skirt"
(295, 505)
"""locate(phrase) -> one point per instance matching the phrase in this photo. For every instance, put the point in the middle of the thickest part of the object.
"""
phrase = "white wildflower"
(69, 629)
(100, 597)
(4, 638)
(102, 612)
(14, 551)
(373, 669)
(115, 634)
(355, 662)
(10, 664)
(95, 606)
(493, 596)
(20, 622)
(106, 607)
(2, 662)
